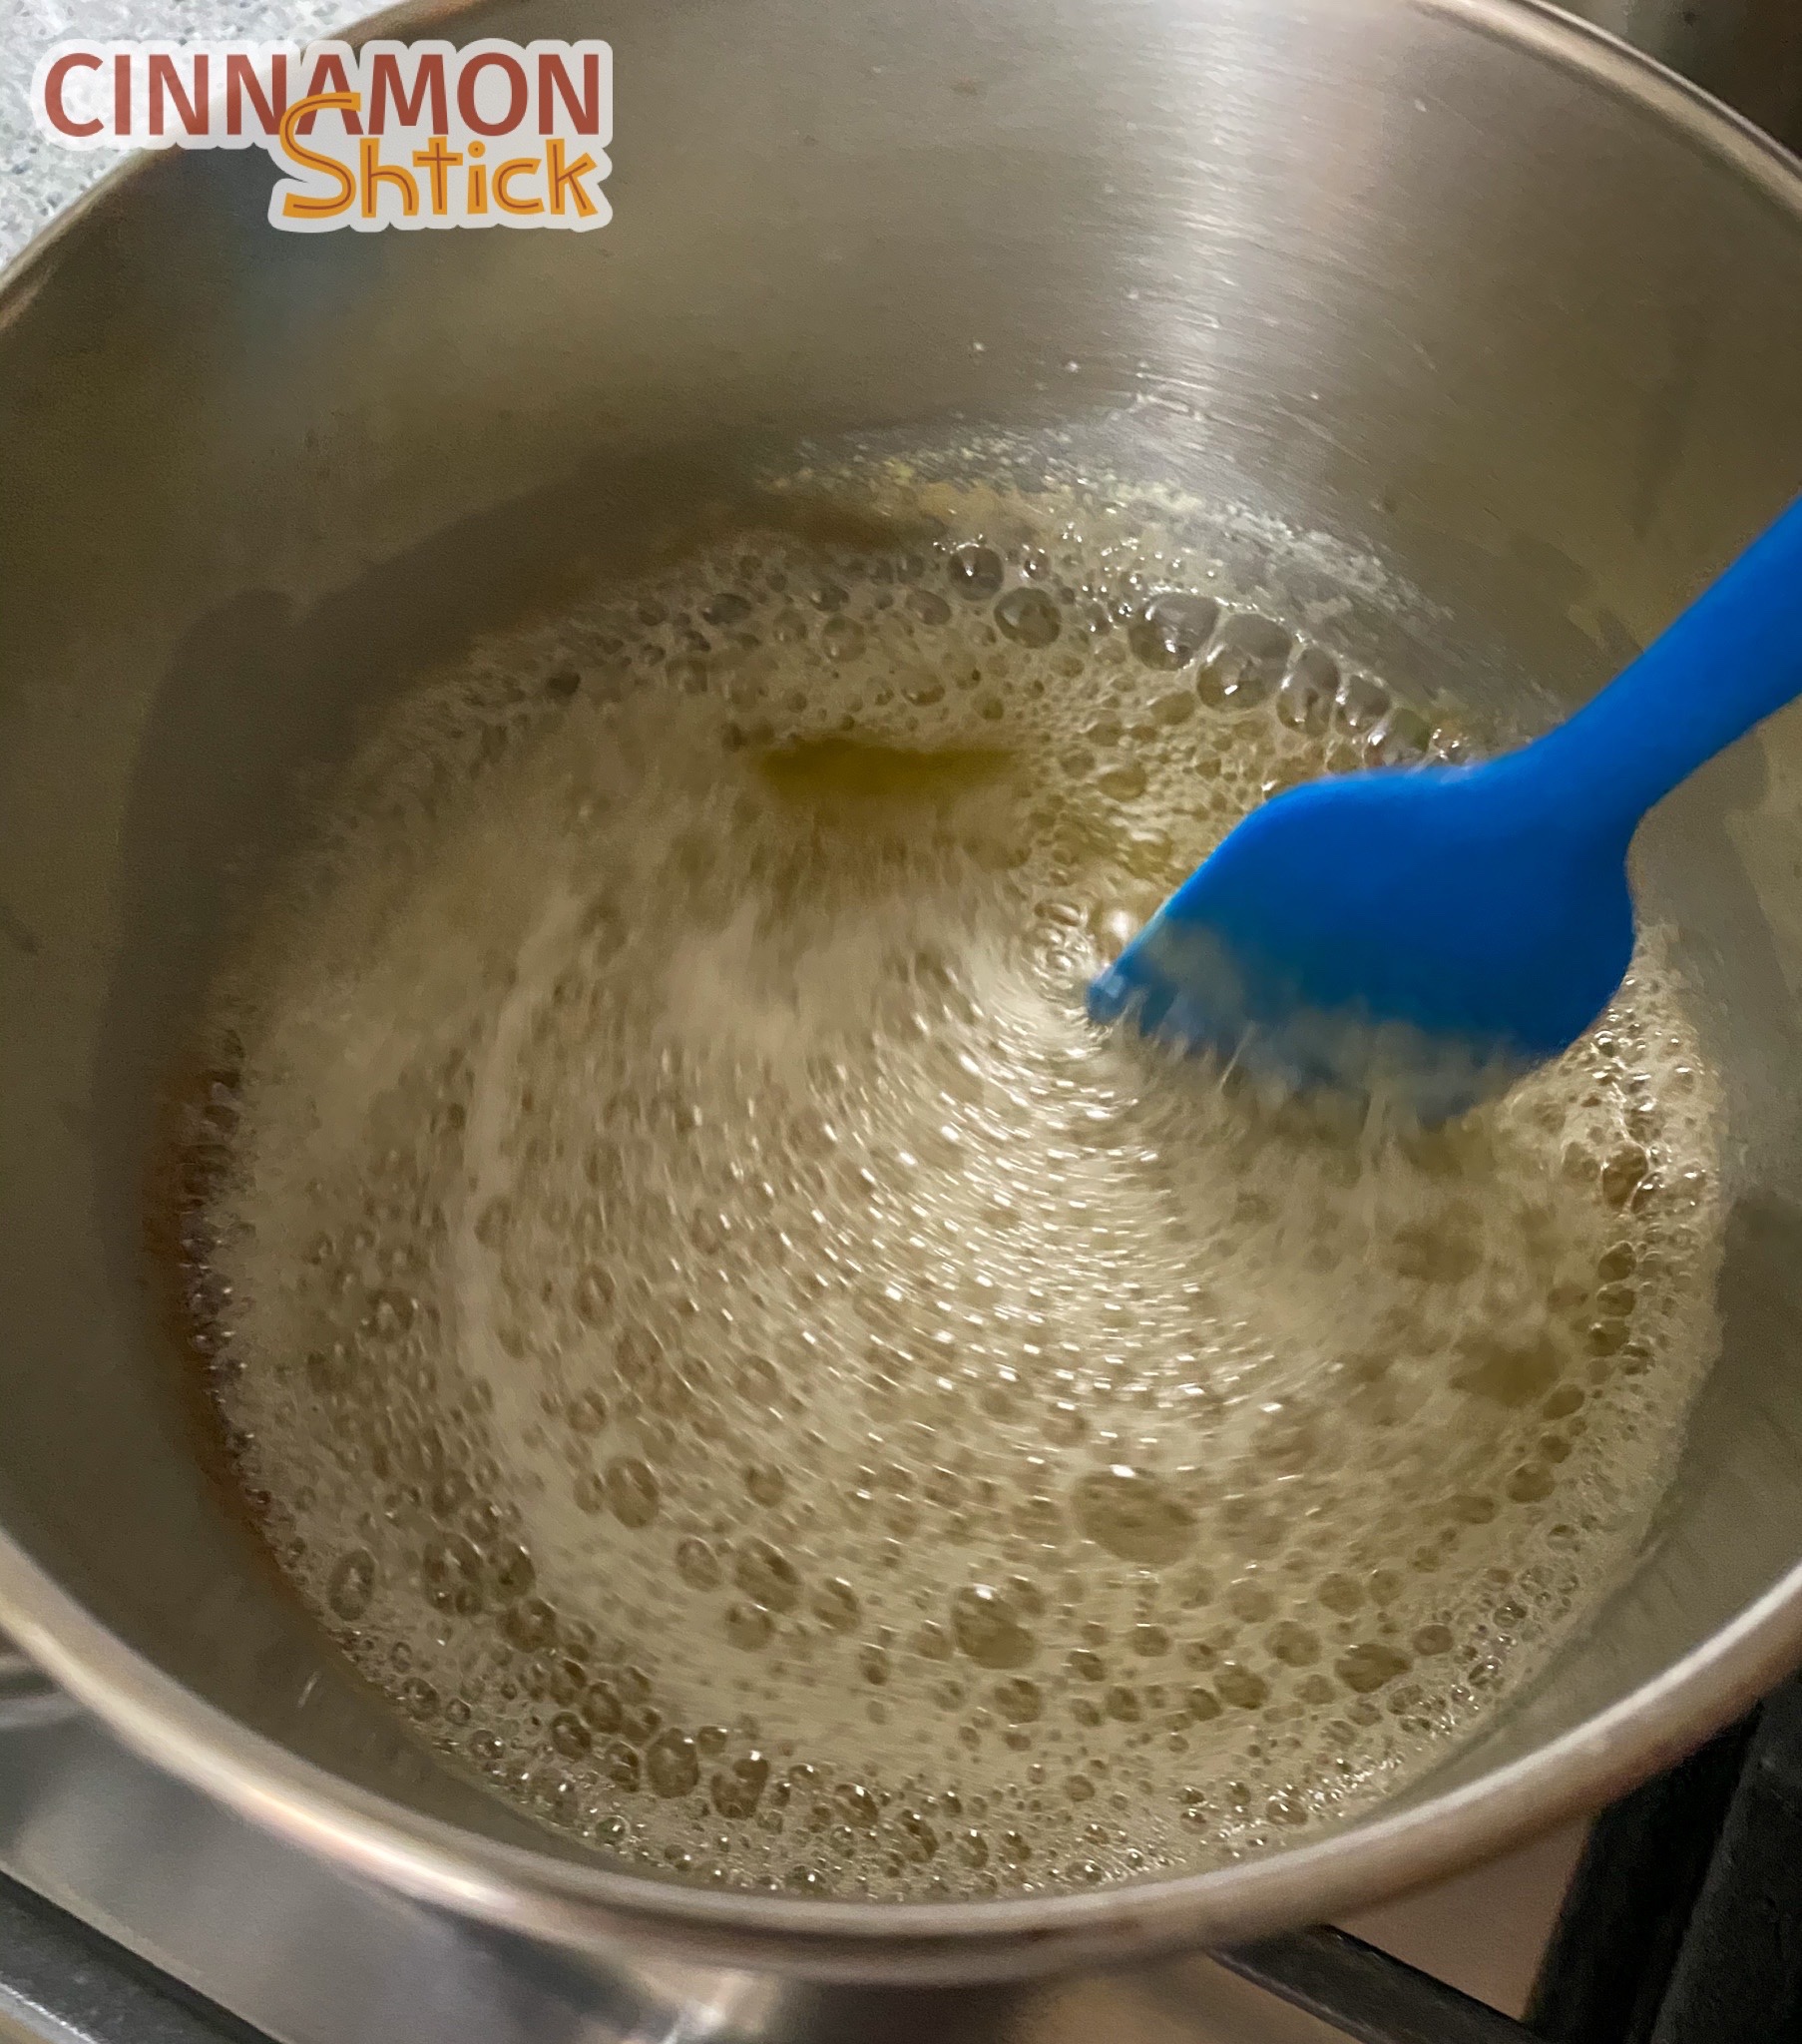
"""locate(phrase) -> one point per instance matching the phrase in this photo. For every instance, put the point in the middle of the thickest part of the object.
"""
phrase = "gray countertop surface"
(38, 176)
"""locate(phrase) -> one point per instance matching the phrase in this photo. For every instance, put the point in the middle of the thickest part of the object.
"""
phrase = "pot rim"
(600, 1909)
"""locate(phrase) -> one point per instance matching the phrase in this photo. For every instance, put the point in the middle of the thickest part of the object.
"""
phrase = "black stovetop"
(1682, 1923)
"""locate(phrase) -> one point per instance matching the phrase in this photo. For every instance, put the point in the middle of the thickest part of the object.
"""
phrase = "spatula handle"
(1730, 659)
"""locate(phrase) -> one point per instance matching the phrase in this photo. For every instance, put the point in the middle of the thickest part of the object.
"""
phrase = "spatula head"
(1420, 934)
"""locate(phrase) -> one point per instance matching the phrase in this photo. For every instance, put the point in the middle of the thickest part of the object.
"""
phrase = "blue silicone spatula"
(1433, 932)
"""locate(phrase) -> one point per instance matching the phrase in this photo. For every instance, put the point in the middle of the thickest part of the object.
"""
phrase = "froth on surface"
(725, 1345)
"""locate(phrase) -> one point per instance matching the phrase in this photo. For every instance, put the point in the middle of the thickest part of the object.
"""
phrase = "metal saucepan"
(1468, 289)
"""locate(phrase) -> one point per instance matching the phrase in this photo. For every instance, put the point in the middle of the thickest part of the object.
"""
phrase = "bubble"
(975, 571)
(1362, 702)
(511, 1573)
(1304, 698)
(1028, 616)
(738, 1790)
(1623, 1174)
(1529, 1483)
(671, 1764)
(764, 1483)
(854, 1803)
(698, 1564)
(843, 639)
(1171, 630)
(602, 1708)
(418, 1698)
(1400, 739)
(834, 1604)
(352, 1584)
(530, 1624)
(1369, 1664)
(586, 1412)
(1248, 659)
(620, 1768)
(763, 1572)
(452, 1571)
(1297, 1646)
(917, 1838)
(570, 1736)
(987, 1625)
(1243, 1687)
(631, 1491)
(1019, 1700)
(1124, 782)
(1132, 1513)
(748, 1626)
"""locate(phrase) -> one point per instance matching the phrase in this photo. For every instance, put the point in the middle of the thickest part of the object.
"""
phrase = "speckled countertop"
(36, 176)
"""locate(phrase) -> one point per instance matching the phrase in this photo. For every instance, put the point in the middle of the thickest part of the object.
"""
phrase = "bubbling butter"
(728, 1349)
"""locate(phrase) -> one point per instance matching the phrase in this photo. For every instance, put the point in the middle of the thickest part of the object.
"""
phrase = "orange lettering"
(311, 206)
(439, 161)
(503, 181)
(565, 180)
(376, 173)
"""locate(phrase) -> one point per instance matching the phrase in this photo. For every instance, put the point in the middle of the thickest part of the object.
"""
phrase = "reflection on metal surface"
(26, 1696)
(306, 1954)
(309, 1955)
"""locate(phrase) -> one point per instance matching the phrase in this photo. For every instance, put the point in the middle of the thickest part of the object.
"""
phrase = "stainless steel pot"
(1746, 52)
(1479, 295)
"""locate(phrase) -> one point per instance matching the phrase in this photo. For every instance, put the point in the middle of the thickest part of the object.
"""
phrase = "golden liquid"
(724, 1344)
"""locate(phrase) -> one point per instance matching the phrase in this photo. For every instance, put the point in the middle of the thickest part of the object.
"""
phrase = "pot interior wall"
(1382, 271)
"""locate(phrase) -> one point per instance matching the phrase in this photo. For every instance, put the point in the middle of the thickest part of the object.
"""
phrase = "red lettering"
(519, 91)
(122, 94)
(54, 111)
(241, 78)
(553, 78)
(165, 78)
(385, 80)
(331, 79)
